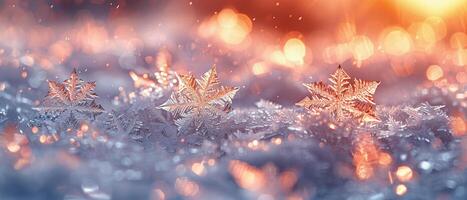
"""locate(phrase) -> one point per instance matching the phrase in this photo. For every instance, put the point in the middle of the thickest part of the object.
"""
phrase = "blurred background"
(417, 49)
(266, 47)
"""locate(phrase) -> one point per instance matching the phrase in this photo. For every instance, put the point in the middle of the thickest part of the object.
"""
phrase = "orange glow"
(294, 50)
(277, 141)
(367, 156)
(362, 47)
(17, 145)
(186, 187)
(158, 194)
(24, 74)
(461, 77)
(424, 36)
(364, 172)
(247, 176)
(278, 57)
(432, 7)
(346, 31)
(259, 180)
(255, 144)
(458, 125)
(458, 40)
(438, 25)
(227, 18)
(259, 68)
(385, 159)
(396, 41)
(364, 156)
(404, 173)
(434, 72)
(61, 50)
(34, 129)
(403, 67)
(84, 127)
(69, 160)
(141, 81)
(43, 139)
(211, 162)
(162, 60)
(13, 147)
(21, 163)
(198, 169)
(337, 54)
(288, 179)
(92, 38)
(401, 189)
(231, 27)
(460, 57)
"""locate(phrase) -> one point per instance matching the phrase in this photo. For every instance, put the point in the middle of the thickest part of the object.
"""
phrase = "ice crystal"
(264, 121)
(124, 123)
(70, 101)
(423, 112)
(199, 102)
(342, 99)
(407, 121)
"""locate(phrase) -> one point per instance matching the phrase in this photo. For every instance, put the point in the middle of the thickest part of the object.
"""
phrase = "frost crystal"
(265, 121)
(124, 123)
(406, 121)
(341, 99)
(199, 101)
(70, 101)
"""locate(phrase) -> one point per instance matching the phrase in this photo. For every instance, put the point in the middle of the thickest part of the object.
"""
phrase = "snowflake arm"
(72, 85)
(209, 81)
(86, 92)
(57, 90)
(189, 86)
(312, 103)
(340, 80)
(320, 89)
(362, 91)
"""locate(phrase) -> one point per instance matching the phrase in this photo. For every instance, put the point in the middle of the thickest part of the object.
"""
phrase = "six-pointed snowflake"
(71, 100)
(199, 101)
(342, 100)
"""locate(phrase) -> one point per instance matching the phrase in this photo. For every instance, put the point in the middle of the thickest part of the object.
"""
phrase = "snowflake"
(71, 100)
(342, 99)
(199, 101)
(124, 123)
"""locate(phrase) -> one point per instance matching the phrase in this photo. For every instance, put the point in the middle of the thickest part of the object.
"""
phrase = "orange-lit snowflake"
(71, 99)
(198, 100)
(342, 100)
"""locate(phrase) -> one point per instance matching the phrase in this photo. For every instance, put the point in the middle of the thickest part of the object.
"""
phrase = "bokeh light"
(294, 50)
(396, 41)
(434, 72)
